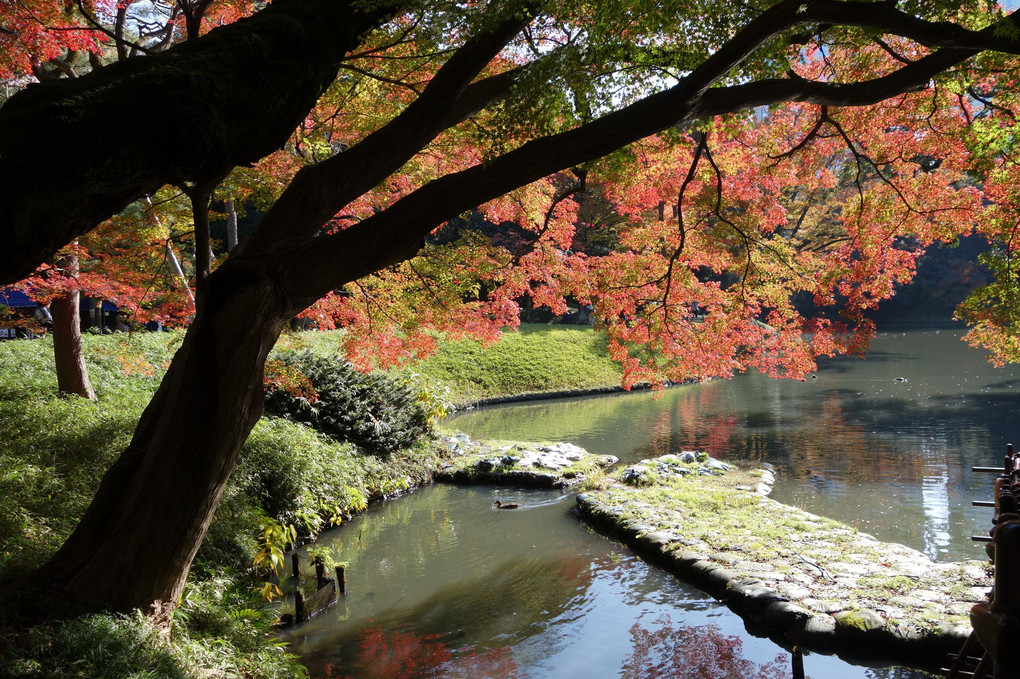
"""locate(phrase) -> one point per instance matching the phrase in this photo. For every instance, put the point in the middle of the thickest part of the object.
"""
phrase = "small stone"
(712, 576)
(753, 595)
(659, 538)
(907, 602)
(636, 476)
(928, 595)
(821, 605)
(686, 558)
(906, 632)
(488, 464)
(792, 591)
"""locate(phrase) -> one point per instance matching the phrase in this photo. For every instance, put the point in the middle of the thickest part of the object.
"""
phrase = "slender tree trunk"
(200, 195)
(132, 550)
(72, 375)
(231, 225)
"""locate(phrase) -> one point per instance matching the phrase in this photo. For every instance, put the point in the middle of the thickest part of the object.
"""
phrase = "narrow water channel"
(441, 584)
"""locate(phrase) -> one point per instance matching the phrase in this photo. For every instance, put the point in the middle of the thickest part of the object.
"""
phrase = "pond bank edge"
(561, 393)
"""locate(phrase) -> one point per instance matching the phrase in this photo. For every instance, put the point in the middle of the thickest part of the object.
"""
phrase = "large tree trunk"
(135, 544)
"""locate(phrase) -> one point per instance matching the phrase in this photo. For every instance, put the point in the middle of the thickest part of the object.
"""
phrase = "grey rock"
(488, 464)
(856, 622)
(753, 596)
(635, 476)
(816, 631)
(716, 465)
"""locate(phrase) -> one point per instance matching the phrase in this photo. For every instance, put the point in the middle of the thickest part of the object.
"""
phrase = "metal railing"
(994, 645)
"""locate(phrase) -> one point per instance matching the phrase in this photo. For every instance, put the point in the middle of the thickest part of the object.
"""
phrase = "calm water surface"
(440, 584)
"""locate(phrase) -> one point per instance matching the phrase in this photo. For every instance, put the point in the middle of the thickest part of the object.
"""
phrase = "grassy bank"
(536, 358)
(57, 448)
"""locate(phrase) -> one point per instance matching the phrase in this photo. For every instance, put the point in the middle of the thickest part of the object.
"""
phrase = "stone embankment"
(804, 579)
(801, 578)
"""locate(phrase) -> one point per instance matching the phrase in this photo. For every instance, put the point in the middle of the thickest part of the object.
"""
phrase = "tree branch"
(312, 268)
(318, 192)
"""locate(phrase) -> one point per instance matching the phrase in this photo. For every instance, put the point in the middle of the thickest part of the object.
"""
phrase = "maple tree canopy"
(555, 87)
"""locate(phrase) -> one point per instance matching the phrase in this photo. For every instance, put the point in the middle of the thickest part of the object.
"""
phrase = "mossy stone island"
(806, 580)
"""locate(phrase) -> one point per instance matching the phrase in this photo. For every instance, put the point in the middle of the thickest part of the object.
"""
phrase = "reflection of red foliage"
(391, 654)
(494, 664)
(701, 652)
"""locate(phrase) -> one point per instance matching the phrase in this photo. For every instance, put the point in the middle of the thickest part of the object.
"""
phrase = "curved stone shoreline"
(803, 579)
(561, 393)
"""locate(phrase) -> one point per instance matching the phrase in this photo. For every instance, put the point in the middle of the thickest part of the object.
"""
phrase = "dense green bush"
(373, 411)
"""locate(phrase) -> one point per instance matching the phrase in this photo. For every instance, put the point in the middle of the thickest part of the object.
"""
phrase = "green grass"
(535, 358)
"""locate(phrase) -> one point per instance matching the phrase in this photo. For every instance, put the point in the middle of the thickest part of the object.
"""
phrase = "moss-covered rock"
(532, 465)
(806, 579)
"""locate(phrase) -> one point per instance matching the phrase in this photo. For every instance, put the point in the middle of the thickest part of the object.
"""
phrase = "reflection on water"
(883, 443)
(441, 584)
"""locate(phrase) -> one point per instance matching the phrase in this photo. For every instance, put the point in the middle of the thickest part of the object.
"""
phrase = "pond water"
(441, 584)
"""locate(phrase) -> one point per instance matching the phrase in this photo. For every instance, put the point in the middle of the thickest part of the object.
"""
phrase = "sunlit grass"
(535, 358)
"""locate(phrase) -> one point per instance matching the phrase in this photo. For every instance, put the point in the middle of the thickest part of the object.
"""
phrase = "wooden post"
(341, 585)
(320, 574)
(299, 607)
(798, 663)
(294, 565)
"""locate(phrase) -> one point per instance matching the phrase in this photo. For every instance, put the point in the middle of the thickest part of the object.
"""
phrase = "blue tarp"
(15, 298)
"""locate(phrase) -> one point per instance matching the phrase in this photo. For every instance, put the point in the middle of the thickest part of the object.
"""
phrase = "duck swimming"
(509, 505)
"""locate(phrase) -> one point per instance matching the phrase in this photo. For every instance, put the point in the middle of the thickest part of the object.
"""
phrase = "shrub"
(373, 411)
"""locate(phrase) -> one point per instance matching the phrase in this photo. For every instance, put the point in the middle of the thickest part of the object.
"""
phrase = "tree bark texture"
(72, 375)
(135, 544)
